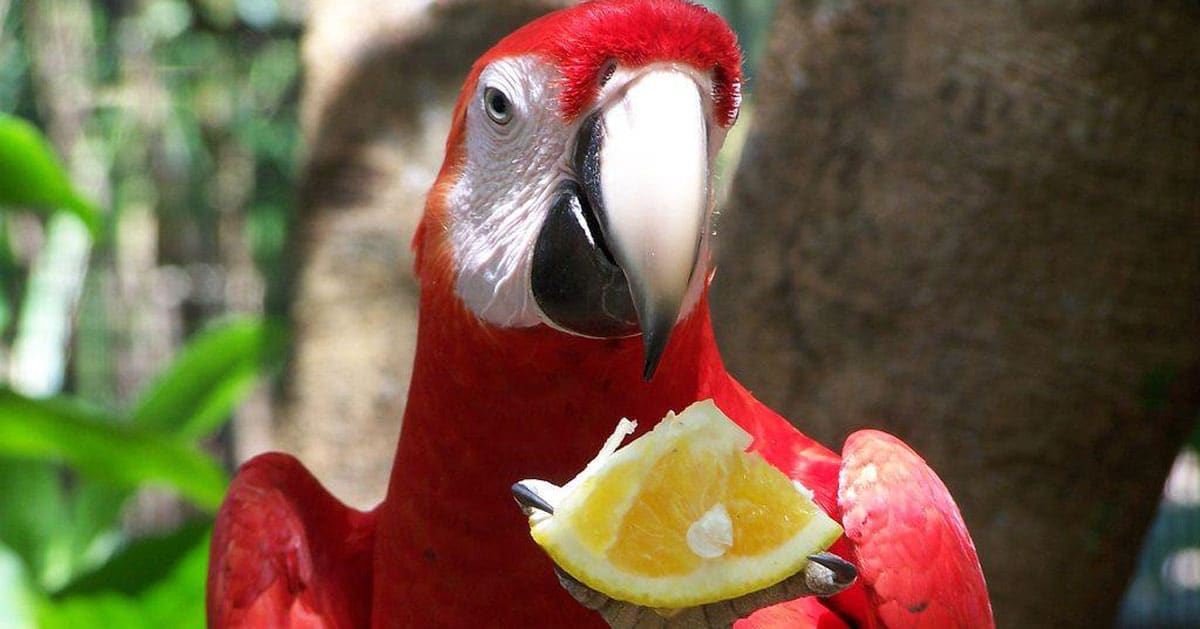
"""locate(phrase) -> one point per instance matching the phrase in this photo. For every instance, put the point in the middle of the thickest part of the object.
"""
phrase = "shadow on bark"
(381, 82)
(978, 227)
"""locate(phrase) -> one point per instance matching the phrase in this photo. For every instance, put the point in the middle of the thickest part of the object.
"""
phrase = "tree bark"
(382, 78)
(977, 225)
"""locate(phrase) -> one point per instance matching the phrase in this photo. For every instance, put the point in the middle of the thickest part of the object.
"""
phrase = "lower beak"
(644, 167)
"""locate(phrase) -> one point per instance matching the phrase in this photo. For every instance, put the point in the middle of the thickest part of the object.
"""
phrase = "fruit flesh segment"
(651, 539)
(594, 520)
(758, 528)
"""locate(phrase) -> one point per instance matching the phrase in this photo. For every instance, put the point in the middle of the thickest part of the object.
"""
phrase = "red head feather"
(581, 40)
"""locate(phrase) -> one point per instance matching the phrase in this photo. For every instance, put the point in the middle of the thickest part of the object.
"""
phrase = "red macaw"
(564, 265)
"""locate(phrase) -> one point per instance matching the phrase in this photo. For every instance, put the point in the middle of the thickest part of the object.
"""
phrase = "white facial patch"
(505, 190)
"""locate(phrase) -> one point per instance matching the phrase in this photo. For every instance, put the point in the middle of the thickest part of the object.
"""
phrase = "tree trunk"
(382, 78)
(977, 225)
(60, 45)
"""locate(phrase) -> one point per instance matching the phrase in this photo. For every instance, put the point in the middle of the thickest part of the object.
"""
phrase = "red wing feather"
(912, 549)
(285, 553)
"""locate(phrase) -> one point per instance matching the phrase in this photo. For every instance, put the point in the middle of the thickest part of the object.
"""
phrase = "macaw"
(564, 263)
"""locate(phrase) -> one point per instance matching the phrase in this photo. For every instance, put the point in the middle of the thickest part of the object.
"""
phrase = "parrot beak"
(619, 247)
(652, 195)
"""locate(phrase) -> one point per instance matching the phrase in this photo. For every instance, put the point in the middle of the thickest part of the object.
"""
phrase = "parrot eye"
(497, 105)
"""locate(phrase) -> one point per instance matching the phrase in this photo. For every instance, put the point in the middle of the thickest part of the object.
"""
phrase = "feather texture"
(910, 544)
(285, 553)
(490, 405)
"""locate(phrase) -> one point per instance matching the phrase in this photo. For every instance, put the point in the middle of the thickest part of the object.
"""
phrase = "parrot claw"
(826, 572)
(529, 500)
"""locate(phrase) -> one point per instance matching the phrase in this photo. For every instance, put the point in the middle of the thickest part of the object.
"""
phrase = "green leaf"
(95, 521)
(32, 176)
(18, 599)
(170, 594)
(10, 277)
(210, 377)
(57, 529)
(141, 564)
(34, 518)
(97, 446)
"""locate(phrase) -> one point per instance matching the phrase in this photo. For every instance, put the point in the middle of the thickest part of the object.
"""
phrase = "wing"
(285, 553)
(914, 554)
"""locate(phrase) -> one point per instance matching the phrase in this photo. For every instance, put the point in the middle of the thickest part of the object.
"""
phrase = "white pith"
(712, 533)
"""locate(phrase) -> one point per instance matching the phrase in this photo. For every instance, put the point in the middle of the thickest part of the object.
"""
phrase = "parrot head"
(577, 190)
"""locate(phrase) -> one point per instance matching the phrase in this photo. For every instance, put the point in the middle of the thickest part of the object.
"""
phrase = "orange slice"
(682, 516)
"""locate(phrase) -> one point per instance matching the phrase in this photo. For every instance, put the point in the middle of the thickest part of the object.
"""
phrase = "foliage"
(64, 559)
(61, 530)
(154, 582)
(31, 175)
(101, 447)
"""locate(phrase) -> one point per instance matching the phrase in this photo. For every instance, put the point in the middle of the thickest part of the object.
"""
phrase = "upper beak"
(644, 168)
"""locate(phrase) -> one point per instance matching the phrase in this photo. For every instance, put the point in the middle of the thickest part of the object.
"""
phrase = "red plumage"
(910, 543)
(489, 406)
(285, 553)
(581, 42)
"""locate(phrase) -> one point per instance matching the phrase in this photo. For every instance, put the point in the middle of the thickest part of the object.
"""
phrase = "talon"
(530, 500)
(842, 573)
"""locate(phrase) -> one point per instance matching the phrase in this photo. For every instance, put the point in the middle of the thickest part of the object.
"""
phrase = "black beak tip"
(654, 344)
(650, 367)
(652, 357)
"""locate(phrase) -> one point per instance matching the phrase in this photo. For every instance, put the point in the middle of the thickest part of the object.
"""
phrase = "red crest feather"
(582, 39)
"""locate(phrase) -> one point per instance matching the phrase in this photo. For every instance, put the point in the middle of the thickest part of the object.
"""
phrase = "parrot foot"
(824, 575)
(814, 580)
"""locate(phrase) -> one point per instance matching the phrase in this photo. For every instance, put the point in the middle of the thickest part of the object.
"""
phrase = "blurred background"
(205, 208)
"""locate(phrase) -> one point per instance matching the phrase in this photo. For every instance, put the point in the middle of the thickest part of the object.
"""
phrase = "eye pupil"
(497, 106)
